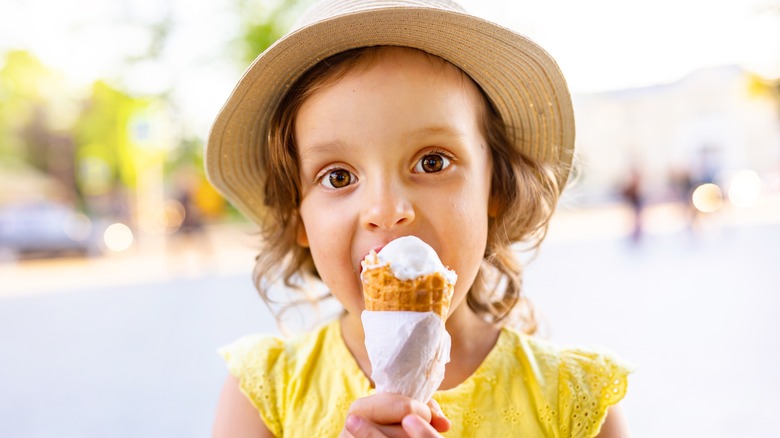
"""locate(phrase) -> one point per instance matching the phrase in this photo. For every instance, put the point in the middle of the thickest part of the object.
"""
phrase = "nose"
(386, 205)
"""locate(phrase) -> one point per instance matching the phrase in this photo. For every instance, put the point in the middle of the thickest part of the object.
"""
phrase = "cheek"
(472, 206)
(469, 231)
(466, 223)
(329, 236)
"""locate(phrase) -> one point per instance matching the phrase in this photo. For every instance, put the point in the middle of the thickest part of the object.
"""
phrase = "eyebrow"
(435, 130)
(320, 148)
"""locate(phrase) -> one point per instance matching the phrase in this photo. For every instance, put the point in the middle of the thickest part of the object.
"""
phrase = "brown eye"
(338, 179)
(432, 163)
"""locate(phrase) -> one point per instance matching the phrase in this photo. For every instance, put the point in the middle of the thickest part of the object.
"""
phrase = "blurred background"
(122, 271)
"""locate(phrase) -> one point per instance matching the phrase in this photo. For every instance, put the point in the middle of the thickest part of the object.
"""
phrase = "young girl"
(381, 119)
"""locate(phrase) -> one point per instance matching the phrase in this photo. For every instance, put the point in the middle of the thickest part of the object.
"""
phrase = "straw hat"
(523, 82)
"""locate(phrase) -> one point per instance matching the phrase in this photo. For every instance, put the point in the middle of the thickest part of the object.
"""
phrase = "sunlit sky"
(599, 44)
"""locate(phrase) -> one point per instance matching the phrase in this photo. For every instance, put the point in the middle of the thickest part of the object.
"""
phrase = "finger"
(345, 433)
(364, 428)
(438, 420)
(393, 431)
(361, 428)
(387, 408)
(416, 427)
(357, 427)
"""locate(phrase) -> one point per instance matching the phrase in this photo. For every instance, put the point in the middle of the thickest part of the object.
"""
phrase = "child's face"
(392, 150)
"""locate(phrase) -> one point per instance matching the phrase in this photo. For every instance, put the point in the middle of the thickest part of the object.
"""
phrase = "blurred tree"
(102, 137)
(188, 153)
(263, 22)
(29, 92)
(106, 152)
(87, 150)
(21, 101)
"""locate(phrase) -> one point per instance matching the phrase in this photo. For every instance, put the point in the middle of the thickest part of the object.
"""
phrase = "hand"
(393, 415)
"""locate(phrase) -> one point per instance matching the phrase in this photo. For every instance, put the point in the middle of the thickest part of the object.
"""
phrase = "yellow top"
(526, 387)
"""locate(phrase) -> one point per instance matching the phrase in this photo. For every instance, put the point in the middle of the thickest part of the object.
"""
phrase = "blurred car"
(46, 228)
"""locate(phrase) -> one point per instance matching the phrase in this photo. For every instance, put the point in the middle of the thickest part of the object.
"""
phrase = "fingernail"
(353, 423)
(413, 424)
(436, 408)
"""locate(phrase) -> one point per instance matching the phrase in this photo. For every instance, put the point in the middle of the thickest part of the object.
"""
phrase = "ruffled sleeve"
(259, 363)
(588, 383)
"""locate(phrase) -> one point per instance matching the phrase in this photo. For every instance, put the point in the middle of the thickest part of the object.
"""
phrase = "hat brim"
(522, 81)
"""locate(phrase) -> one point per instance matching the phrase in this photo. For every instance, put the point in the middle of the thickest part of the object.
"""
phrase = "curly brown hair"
(525, 190)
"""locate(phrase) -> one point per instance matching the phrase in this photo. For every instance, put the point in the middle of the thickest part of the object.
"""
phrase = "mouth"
(376, 250)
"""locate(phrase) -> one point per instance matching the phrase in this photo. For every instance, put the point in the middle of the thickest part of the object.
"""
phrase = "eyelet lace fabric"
(588, 384)
(525, 387)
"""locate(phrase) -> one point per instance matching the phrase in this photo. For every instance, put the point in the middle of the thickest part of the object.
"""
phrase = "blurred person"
(377, 120)
(192, 222)
(633, 195)
(707, 166)
(682, 185)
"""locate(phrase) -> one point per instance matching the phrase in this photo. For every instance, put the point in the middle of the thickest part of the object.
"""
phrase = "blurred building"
(706, 125)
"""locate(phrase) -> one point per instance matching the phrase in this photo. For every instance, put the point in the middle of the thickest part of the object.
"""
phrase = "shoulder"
(579, 384)
(269, 352)
(261, 366)
(252, 350)
(569, 364)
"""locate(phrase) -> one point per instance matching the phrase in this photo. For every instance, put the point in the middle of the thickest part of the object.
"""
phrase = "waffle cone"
(429, 293)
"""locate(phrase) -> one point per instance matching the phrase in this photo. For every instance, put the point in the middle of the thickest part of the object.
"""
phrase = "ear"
(300, 234)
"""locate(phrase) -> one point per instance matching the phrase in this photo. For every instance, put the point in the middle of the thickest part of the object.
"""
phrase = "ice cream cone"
(429, 293)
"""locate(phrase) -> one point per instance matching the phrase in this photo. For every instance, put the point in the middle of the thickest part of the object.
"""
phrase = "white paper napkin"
(407, 350)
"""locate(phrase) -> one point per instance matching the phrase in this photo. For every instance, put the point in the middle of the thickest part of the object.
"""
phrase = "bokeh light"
(707, 198)
(118, 237)
(173, 216)
(745, 188)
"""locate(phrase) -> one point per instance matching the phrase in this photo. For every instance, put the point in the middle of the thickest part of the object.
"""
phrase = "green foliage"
(263, 22)
(99, 133)
(189, 153)
(121, 134)
(101, 136)
(24, 84)
(259, 37)
(21, 77)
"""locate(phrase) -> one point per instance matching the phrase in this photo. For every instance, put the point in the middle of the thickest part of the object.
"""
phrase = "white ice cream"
(409, 258)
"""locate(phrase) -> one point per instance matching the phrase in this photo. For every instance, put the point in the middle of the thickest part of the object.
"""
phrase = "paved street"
(126, 346)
